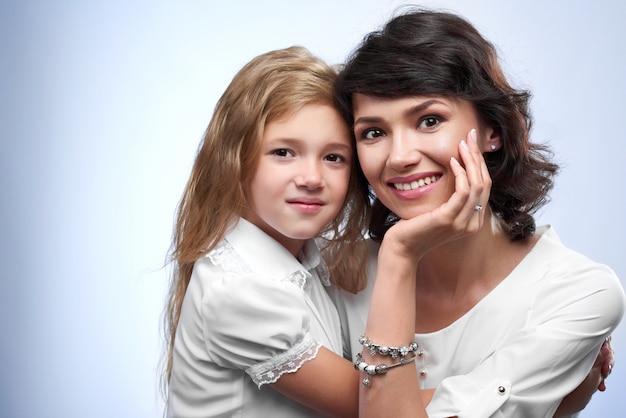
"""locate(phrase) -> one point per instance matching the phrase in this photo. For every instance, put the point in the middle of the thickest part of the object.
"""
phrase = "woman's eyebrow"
(408, 112)
(421, 107)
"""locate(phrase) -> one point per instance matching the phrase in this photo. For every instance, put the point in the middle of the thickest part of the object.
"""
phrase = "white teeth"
(416, 184)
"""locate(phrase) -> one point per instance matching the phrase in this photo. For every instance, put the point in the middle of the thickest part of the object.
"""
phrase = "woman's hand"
(460, 216)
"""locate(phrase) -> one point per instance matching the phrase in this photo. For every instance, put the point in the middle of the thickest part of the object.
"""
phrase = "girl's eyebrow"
(340, 145)
(292, 142)
(408, 112)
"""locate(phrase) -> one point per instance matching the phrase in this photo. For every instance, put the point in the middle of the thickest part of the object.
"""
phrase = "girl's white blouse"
(252, 312)
(523, 347)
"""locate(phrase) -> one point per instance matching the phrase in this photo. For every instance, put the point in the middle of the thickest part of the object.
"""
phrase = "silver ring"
(478, 208)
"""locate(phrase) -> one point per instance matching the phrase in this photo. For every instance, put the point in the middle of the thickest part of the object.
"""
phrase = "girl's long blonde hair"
(270, 86)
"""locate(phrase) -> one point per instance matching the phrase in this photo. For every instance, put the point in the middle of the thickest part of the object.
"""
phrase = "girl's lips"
(306, 205)
(306, 201)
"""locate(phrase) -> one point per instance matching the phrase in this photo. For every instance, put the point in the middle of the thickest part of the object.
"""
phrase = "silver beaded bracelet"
(385, 350)
(371, 369)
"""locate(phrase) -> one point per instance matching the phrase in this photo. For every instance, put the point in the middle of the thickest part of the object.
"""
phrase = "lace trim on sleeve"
(225, 255)
(287, 362)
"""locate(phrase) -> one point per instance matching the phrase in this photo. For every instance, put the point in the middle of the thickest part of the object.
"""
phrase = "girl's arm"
(327, 384)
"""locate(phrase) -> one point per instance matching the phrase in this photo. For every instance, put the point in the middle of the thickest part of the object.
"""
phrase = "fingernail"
(464, 145)
(473, 136)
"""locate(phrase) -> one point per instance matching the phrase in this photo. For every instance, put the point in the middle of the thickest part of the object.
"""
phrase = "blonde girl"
(247, 310)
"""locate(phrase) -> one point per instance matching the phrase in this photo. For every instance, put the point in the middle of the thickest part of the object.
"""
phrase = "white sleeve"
(256, 324)
(535, 367)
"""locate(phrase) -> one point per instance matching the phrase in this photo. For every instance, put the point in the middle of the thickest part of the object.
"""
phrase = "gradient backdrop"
(102, 106)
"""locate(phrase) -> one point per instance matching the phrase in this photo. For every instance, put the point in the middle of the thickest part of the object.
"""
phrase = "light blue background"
(102, 106)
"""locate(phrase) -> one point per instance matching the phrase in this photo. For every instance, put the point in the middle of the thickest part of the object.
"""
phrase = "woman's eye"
(372, 133)
(429, 122)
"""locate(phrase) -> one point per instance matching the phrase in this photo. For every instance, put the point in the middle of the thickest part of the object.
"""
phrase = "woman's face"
(405, 146)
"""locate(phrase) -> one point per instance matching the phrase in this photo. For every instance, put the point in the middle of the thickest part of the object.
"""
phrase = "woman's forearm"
(391, 322)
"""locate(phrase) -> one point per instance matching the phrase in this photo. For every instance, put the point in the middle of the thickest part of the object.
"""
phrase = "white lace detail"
(225, 255)
(298, 278)
(323, 273)
(287, 362)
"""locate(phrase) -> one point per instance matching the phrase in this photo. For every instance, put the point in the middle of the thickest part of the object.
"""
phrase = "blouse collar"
(264, 255)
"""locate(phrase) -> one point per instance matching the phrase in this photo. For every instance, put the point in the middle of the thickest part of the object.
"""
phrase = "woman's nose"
(403, 153)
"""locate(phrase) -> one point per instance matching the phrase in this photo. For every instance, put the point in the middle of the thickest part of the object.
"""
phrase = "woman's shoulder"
(570, 274)
(561, 259)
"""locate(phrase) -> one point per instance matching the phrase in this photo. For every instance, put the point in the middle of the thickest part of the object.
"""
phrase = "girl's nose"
(310, 176)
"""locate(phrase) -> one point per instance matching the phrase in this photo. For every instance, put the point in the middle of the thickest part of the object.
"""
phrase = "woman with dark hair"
(498, 315)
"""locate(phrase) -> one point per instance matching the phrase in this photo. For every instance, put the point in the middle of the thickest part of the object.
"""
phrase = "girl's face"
(302, 177)
(405, 145)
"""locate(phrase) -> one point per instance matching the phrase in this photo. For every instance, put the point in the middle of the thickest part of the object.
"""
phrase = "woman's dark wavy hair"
(423, 52)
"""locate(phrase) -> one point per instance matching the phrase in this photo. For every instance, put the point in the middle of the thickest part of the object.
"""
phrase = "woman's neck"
(465, 260)
(451, 279)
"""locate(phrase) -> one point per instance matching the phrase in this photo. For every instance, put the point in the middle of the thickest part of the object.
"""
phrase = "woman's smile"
(415, 184)
(405, 146)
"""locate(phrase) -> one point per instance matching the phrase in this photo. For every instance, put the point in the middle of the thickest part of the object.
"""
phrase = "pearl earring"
(493, 147)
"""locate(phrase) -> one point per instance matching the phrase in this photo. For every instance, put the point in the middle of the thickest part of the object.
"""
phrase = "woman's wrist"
(395, 259)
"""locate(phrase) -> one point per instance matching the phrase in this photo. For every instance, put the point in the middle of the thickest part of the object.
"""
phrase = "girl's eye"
(335, 158)
(372, 133)
(429, 122)
(282, 152)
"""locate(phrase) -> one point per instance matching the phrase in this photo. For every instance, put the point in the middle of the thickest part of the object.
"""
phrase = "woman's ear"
(493, 140)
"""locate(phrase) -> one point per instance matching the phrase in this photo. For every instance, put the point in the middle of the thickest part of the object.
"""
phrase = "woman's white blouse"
(252, 312)
(523, 347)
